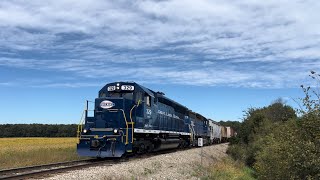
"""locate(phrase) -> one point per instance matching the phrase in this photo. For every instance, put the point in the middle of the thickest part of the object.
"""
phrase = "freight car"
(129, 118)
(215, 132)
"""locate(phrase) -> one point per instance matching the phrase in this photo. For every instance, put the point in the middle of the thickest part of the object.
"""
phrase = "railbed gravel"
(176, 165)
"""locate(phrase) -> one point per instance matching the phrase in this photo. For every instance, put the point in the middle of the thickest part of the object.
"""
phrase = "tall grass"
(230, 169)
(19, 152)
(225, 169)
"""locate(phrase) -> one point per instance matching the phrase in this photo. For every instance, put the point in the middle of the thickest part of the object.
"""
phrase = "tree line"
(38, 130)
(279, 142)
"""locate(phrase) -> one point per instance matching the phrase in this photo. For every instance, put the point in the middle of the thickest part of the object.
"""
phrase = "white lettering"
(127, 88)
(168, 114)
(111, 88)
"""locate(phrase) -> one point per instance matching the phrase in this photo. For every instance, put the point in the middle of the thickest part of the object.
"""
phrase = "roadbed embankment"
(176, 165)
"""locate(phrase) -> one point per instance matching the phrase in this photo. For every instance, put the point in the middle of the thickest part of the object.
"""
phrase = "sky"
(217, 57)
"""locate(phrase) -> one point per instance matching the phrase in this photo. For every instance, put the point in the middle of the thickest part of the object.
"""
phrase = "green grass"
(20, 152)
(225, 169)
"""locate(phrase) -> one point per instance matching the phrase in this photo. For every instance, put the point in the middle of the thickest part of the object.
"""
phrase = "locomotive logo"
(106, 104)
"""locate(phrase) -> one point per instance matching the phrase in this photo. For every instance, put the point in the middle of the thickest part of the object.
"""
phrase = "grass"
(20, 152)
(225, 169)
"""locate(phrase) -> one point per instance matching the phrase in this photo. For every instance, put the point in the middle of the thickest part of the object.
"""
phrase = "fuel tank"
(162, 144)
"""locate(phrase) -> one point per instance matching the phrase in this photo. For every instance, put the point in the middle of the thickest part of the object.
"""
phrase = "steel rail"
(36, 171)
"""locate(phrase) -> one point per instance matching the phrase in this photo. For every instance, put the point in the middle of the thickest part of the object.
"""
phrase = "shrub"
(285, 154)
(230, 169)
(278, 144)
(238, 152)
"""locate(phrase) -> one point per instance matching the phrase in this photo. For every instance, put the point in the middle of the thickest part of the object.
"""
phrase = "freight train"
(130, 118)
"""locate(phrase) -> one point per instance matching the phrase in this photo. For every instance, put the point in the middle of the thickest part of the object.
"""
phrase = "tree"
(38, 130)
(292, 150)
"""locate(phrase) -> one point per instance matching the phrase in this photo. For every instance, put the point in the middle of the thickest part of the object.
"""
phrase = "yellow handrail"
(80, 126)
(132, 123)
(127, 130)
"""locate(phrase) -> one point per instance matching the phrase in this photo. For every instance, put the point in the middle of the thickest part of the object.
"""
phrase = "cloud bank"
(247, 43)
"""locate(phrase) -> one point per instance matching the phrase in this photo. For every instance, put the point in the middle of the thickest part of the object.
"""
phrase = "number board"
(111, 88)
(200, 142)
(127, 88)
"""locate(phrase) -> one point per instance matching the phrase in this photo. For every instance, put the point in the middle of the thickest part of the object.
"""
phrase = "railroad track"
(47, 169)
(42, 171)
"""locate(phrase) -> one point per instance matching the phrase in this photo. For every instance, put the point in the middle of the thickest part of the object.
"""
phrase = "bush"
(278, 144)
(229, 169)
(285, 154)
(238, 152)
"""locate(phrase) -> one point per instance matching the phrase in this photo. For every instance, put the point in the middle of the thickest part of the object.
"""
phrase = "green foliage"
(310, 126)
(288, 154)
(38, 130)
(238, 151)
(311, 101)
(278, 144)
(257, 120)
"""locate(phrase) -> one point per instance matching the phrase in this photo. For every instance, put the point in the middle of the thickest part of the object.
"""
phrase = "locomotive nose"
(95, 143)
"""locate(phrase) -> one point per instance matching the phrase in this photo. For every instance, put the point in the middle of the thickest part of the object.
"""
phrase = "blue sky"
(216, 57)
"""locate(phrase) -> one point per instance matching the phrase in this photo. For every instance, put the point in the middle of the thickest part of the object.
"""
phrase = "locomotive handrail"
(85, 112)
(80, 125)
(132, 123)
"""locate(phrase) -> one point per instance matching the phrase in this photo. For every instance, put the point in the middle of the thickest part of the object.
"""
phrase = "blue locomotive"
(129, 118)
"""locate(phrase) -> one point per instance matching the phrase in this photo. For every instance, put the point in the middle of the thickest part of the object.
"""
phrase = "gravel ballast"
(176, 165)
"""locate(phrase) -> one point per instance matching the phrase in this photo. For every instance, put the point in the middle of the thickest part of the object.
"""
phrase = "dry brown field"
(20, 152)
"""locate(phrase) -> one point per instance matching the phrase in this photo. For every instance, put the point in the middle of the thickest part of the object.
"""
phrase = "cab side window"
(138, 97)
(148, 100)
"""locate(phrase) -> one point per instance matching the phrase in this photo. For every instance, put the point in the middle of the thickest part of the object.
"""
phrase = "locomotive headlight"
(85, 131)
(115, 131)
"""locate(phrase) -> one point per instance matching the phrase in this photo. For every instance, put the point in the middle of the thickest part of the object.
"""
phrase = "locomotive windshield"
(119, 94)
(118, 90)
(126, 95)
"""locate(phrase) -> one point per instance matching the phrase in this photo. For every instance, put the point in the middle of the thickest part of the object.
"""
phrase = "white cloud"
(251, 43)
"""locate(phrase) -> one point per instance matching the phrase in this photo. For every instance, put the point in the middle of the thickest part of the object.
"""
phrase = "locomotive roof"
(169, 100)
(214, 122)
(149, 92)
(159, 95)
